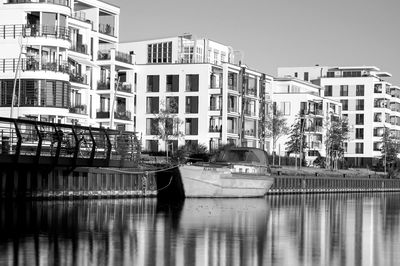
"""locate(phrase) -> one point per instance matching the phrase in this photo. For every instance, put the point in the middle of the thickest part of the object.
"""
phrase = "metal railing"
(82, 48)
(107, 29)
(124, 87)
(123, 115)
(119, 56)
(31, 64)
(55, 2)
(78, 109)
(82, 79)
(101, 85)
(51, 143)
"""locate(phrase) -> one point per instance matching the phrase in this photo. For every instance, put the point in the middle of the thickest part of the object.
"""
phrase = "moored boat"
(235, 172)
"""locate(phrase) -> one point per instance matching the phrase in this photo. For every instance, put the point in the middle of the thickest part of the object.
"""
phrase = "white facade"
(367, 103)
(215, 111)
(295, 98)
(62, 51)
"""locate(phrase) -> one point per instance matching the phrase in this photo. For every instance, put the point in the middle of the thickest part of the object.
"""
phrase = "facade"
(294, 99)
(214, 100)
(57, 60)
(368, 101)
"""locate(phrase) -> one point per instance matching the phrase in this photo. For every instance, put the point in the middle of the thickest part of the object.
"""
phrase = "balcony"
(250, 132)
(54, 2)
(79, 48)
(124, 87)
(215, 129)
(249, 113)
(101, 85)
(33, 30)
(82, 79)
(232, 109)
(232, 130)
(107, 29)
(123, 115)
(102, 114)
(215, 108)
(119, 56)
(78, 109)
(232, 87)
(251, 92)
(81, 16)
(31, 64)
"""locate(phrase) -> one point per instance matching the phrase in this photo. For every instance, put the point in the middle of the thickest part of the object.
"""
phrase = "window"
(359, 148)
(191, 143)
(359, 119)
(232, 81)
(378, 88)
(153, 83)
(192, 82)
(377, 146)
(306, 76)
(328, 90)
(285, 108)
(295, 74)
(152, 105)
(152, 145)
(345, 105)
(172, 104)
(359, 105)
(344, 90)
(151, 126)
(192, 104)
(359, 133)
(330, 74)
(172, 83)
(345, 146)
(359, 90)
(191, 126)
(159, 52)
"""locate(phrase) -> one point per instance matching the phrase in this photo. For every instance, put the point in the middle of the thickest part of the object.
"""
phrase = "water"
(329, 229)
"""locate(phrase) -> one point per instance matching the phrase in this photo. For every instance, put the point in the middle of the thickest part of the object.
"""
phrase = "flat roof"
(373, 68)
(298, 81)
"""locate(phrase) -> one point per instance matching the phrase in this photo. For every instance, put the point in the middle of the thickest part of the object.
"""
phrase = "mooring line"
(148, 171)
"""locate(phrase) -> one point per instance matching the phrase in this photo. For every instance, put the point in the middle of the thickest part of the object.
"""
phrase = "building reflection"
(325, 229)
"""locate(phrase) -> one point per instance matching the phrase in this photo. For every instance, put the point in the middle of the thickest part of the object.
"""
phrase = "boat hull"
(210, 182)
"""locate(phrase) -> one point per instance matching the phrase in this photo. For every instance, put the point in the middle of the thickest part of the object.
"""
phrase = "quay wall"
(83, 182)
(312, 184)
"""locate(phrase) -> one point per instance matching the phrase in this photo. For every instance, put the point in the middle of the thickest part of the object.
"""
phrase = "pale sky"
(274, 33)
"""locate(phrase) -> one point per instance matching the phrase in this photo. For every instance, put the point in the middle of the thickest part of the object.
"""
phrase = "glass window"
(359, 133)
(152, 105)
(192, 104)
(345, 105)
(172, 83)
(360, 90)
(151, 126)
(191, 126)
(359, 104)
(344, 90)
(306, 76)
(285, 108)
(192, 82)
(152, 145)
(328, 90)
(359, 119)
(172, 104)
(153, 83)
(359, 148)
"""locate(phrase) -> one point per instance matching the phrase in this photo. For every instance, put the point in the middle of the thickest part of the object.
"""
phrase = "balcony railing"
(232, 130)
(123, 115)
(107, 29)
(250, 132)
(82, 79)
(78, 109)
(232, 87)
(119, 56)
(55, 2)
(31, 64)
(34, 30)
(249, 113)
(232, 109)
(251, 92)
(102, 114)
(215, 108)
(103, 85)
(81, 48)
(124, 87)
(215, 129)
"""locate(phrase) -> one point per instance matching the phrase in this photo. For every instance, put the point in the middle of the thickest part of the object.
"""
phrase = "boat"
(234, 172)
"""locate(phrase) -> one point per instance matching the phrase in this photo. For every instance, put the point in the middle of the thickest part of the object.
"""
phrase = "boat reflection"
(335, 229)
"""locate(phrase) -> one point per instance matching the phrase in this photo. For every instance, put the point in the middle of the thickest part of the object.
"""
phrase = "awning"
(82, 61)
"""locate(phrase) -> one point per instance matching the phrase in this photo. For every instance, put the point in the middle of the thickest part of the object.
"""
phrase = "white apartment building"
(60, 63)
(368, 101)
(217, 101)
(296, 98)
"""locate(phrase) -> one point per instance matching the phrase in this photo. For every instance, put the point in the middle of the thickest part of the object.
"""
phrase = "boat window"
(238, 156)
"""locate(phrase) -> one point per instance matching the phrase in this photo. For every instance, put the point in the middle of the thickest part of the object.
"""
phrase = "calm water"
(337, 229)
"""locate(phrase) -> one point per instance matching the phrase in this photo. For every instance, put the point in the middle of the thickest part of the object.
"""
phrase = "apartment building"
(295, 98)
(216, 99)
(369, 102)
(60, 64)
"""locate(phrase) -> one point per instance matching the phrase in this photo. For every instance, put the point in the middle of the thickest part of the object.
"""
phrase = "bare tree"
(276, 128)
(167, 124)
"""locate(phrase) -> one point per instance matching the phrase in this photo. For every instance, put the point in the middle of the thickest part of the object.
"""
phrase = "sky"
(278, 33)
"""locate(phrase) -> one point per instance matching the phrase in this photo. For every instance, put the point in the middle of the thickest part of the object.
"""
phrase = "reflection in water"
(335, 229)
